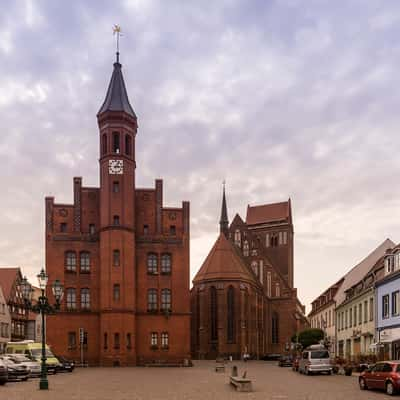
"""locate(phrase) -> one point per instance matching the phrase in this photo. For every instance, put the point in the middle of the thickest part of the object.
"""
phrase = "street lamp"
(42, 307)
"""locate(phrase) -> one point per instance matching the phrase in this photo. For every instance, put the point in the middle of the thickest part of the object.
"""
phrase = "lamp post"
(42, 307)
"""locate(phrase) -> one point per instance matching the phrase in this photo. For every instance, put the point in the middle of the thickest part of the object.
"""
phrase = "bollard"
(234, 371)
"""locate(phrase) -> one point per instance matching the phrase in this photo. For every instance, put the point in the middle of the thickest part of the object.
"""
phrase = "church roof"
(268, 212)
(223, 263)
(117, 96)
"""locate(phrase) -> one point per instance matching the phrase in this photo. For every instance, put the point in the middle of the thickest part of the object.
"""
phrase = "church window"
(152, 263)
(285, 237)
(85, 261)
(152, 303)
(128, 145)
(275, 328)
(116, 292)
(105, 345)
(92, 229)
(269, 283)
(267, 240)
(254, 267)
(274, 240)
(70, 261)
(277, 290)
(237, 237)
(116, 258)
(261, 271)
(85, 299)
(246, 248)
(128, 341)
(172, 230)
(104, 144)
(116, 220)
(214, 313)
(164, 340)
(63, 227)
(145, 229)
(115, 187)
(280, 236)
(116, 145)
(166, 263)
(116, 341)
(231, 314)
(166, 299)
(71, 299)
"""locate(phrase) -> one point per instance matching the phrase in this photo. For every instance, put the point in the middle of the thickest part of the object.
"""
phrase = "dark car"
(271, 357)
(285, 361)
(16, 371)
(3, 373)
(65, 364)
(383, 375)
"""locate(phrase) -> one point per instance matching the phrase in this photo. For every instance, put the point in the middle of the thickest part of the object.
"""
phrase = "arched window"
(152, 304)
(231, 314)
(85, 261)
(105, 341)
(275, 328)
(71, 299)
(277, 290)
(166, 299)
(269, 284)
(237, 239)
(246, 248)
(116, 258)
(254, 267)
(116, 292)
(85, 299)
(152, 263)
(70, 261)
(116, 341)
(128, 145)
(104, 144)
(164, 340)
(214, 314)
(166, 263)
(116, 145)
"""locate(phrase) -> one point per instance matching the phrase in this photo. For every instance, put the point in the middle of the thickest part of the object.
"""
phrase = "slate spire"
(117, 96)
(224, 222)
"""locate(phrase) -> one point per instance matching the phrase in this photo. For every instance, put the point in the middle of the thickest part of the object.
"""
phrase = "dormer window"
(389, 264)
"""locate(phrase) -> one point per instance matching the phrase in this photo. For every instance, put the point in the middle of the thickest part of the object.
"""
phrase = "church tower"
(117, 127)
(223, 221)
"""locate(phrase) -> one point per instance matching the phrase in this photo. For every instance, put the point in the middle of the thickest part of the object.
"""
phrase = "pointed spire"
(117, 96)
(224, 222)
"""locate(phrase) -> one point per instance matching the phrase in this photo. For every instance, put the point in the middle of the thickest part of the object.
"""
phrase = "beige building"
(323, 311)
(356, 316)
(5, 322)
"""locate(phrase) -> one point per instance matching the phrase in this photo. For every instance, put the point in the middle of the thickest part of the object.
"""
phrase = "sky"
(281, 98)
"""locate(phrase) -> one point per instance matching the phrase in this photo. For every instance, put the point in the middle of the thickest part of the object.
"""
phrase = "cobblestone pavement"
(200, 382)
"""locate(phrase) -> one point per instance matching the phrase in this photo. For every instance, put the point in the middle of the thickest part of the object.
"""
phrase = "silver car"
(34, 366)
(315, 360)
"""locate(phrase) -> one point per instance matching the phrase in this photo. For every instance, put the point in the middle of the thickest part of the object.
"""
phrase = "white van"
(315, 358)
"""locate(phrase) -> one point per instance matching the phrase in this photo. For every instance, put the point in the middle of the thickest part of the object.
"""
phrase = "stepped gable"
(223, 263)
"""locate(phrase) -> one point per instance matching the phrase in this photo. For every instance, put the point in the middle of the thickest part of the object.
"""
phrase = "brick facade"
(253, 259)
(114, 246)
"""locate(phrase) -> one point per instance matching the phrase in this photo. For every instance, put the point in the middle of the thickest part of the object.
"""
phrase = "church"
(243, 300)
(122, 256)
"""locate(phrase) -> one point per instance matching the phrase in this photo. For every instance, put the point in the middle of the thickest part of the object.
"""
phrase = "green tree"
(309, 336)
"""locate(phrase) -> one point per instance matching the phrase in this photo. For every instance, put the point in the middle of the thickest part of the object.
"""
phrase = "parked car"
(285, 361)
(3, 373)
(16, 371)
(65, 364)
(315, 358)
(383, 375)
(271, 357)
(34, 366)
(295, 364)
(33, 350)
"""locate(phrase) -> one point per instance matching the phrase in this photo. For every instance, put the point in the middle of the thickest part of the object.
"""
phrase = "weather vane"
(117, 30)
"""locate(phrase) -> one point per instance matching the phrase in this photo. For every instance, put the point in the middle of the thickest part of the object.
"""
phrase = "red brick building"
(243, 300)
(122, 256)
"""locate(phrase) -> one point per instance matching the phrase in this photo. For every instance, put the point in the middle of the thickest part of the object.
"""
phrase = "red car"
(383, 375)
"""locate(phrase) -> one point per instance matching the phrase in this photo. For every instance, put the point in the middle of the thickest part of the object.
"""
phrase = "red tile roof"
(7, 279)
(267, 213)
(223, 262)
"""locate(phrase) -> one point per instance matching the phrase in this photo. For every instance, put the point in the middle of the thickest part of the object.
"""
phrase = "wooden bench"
(241, 384)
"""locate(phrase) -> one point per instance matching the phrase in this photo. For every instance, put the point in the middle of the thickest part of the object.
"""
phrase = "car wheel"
(390, 389)
(2, 383)
(363, 384)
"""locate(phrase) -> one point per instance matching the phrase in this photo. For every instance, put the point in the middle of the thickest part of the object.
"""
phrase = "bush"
(309, 336)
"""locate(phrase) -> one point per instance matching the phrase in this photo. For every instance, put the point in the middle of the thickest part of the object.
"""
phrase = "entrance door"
(356, 347)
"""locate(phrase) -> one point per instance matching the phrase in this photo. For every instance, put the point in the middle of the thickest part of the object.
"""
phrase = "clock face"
(116, 167)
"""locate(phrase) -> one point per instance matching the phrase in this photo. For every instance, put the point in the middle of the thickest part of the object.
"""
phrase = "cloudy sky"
(280, 98)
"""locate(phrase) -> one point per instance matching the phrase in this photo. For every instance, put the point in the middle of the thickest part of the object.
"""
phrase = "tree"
(308, 337)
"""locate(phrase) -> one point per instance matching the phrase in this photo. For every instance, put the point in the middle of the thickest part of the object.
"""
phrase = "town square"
(199, 200)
